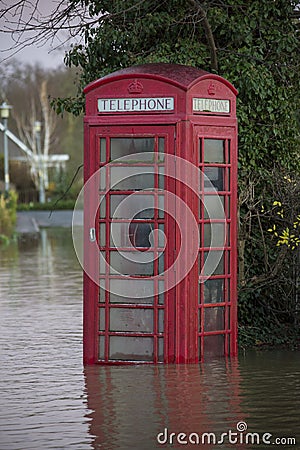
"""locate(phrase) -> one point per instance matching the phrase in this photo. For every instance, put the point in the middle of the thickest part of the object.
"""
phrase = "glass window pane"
(214, 178)
(102, 235)
(200, 151)
(199, 346)
(101, 347)
(213, 263)
(133, 206)
(119, 234)
(214, 150)
(161, 178)
(102, 208)
(101, 319)
(160, 320)
(130, 301)
(129, 146)
(228, 206)
(102, 150)
(161, 149)
(131, 234)
(131, 291)
(228, 289)
(131, 319)
(139, 234)
(102, 292)
(161, 206)
(131, 348)
(128, 178)
(161, 296)
(227, 185)
(161, 264)
(132, 263)
(214, 319)
(214, 346)
(102, 177)
(161, 350)
(214, 291)
(214, 234)
(161, 235)
(102, 263)
(214, 207)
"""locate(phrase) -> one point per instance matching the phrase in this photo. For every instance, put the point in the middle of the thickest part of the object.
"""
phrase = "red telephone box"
(160, 281)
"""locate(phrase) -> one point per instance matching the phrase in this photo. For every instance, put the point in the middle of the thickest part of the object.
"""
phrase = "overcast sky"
(47, 55)
(44, 55)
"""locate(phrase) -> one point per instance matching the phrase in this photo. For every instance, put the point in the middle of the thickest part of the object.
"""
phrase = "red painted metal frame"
(91, 260)
(228, 136)
(183, 338)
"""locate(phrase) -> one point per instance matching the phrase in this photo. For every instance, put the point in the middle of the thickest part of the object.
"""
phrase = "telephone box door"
(131, 316)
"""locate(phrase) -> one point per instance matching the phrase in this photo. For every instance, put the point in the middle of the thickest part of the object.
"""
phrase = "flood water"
(49, 401)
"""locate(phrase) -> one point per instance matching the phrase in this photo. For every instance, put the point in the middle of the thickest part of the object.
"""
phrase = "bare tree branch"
(208, 32)
(26, 24)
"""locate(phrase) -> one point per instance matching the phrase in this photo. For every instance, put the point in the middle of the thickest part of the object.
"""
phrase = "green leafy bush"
(8, 215)
(61, 205)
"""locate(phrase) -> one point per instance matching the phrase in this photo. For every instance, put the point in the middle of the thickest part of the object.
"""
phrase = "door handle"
(92, 234)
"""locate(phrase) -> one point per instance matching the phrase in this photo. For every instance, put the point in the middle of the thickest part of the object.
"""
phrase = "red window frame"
(224, 338)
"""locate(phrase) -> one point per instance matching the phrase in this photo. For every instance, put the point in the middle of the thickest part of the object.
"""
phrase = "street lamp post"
(37, 130)
(5, 108)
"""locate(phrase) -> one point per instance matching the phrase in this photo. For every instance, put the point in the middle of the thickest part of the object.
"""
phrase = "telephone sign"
(110, 105)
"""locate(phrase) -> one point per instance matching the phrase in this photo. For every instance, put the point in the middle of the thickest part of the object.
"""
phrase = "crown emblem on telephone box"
(211, 89)
(135, 87)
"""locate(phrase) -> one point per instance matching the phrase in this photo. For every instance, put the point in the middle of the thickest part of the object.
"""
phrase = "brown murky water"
(49, 401)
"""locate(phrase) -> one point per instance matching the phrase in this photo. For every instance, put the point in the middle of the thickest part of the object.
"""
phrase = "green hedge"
(8, 215)
(61, 205)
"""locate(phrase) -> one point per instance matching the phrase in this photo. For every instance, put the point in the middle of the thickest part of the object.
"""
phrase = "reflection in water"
(48, 401)
(132, 405)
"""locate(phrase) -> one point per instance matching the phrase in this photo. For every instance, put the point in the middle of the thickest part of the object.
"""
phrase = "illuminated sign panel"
(144, 104)
(211, 105)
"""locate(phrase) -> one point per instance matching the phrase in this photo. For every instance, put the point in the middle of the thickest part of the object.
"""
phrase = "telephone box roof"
(176, 74)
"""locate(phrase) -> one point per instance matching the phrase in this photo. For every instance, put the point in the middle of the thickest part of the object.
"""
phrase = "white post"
(5, 115)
